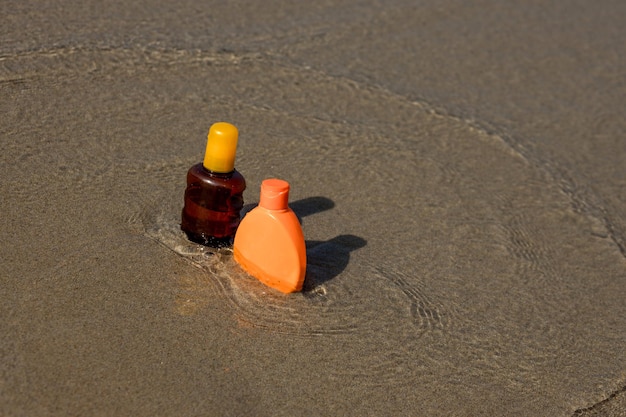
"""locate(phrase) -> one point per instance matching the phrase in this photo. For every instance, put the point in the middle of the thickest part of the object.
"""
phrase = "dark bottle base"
(213, 202)
(214, 242)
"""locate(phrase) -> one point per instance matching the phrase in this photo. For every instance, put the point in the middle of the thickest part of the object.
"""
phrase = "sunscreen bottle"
(214, 193)
(269, 243)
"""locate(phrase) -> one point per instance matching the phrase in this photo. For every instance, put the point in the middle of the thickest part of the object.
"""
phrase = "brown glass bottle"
(213, 202)
(214, 193)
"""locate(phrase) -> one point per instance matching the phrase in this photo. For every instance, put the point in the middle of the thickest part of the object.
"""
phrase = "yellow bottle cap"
(221, 148)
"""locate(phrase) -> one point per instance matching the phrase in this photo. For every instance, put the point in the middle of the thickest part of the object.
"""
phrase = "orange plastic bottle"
(214, 193)
(269, 243)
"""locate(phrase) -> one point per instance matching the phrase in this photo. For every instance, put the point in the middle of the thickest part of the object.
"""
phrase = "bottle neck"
(217, 174)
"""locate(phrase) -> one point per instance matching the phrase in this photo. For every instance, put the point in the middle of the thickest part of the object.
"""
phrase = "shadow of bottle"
(327, 259)
(311, 205)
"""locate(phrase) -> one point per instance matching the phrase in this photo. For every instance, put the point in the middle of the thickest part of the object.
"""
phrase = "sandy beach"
(458, 168)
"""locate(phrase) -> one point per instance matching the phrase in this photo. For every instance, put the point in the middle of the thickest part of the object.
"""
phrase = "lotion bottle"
(269, 243)
(214, 193)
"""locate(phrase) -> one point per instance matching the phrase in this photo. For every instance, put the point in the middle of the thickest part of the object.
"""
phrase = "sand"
(458, 168)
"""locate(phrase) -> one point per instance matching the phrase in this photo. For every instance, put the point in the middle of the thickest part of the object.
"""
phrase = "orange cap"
(269, 243)
(274, 194)
(221, 148)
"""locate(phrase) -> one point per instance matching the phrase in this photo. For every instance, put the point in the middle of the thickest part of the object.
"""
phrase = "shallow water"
(461, 259)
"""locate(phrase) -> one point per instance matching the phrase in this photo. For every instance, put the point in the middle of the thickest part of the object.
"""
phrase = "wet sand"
(459, 172)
